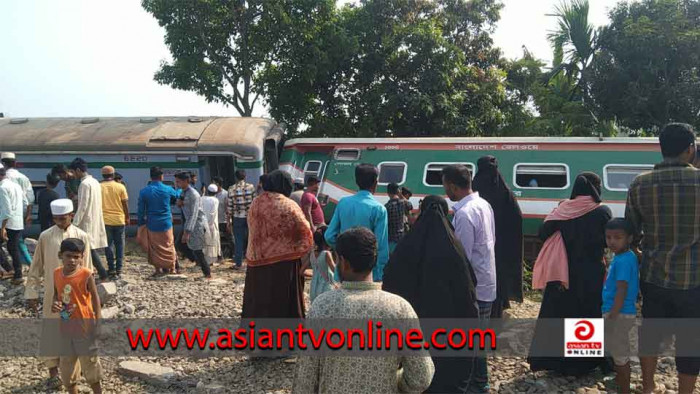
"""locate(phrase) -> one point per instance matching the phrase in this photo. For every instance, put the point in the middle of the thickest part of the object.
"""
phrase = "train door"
(222, 166)
(339, 170)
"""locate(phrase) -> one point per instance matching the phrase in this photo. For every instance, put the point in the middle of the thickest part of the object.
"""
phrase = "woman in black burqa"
(584, 240)
(509, 233)
(429, 269)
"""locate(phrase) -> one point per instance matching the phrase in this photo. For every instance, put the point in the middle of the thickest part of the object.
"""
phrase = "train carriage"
(540, 171)
(208, 146)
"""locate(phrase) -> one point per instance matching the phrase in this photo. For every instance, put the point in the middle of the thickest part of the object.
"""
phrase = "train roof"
(201, 134)
(473, 140)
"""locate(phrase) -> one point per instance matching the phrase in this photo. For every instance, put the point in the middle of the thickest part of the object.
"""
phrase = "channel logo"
(584, 337)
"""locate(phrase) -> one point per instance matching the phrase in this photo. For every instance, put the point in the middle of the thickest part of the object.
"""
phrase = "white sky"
(97, 58)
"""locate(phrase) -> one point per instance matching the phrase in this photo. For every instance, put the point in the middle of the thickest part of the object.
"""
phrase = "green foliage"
(429, 68)
(646, 71)
(220, 47)
(396, 68)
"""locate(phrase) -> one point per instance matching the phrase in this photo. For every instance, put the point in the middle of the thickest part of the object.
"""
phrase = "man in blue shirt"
(156, 223)
(362, 210)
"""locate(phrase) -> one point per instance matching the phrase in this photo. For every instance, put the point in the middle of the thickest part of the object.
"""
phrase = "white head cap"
(299, 181)
(62, 206)
(213, 188)
(7, 155)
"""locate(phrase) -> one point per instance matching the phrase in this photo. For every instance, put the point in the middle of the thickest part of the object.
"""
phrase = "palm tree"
(574, 42)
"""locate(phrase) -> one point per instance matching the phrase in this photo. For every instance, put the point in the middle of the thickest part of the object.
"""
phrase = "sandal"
(7, 275)
(156, 275)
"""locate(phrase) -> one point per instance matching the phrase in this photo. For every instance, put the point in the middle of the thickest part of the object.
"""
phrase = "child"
(75, 298)
(619, 297)
(322, 265)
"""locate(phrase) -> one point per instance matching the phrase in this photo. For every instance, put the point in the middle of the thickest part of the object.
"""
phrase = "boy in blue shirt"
(620, 296)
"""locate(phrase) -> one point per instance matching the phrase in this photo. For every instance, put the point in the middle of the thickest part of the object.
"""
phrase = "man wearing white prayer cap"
(45, 261)
(212, 241)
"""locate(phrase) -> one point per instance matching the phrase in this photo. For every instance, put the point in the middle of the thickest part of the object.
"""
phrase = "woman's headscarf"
(434, 202)
(488, 173)
(587, 184)
(278, 230)
(493, 188)
(429, 267)
(278, 182)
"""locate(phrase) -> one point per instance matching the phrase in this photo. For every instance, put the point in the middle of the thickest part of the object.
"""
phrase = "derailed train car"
(209, 146)
(540, 171)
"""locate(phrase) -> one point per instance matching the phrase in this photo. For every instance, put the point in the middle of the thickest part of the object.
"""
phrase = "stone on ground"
(110, 312)
(106, 291)
(175, 277)
(150, 372)
(129, 308)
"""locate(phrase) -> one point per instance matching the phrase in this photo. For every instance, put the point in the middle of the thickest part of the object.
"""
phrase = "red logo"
(584, 330)
(584, 337)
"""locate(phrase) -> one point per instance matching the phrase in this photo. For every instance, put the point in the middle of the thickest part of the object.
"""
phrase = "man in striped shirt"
(664, 205)
(240, 196)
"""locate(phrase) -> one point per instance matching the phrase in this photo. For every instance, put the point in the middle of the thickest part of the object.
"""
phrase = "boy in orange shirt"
(75, 298)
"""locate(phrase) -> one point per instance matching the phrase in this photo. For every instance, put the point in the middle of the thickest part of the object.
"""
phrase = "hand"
(4, 235)
(228, 228)
(28, 221)
(613, 315)
(56, 306)
(185, 238)
(127, 220)
(33, 305)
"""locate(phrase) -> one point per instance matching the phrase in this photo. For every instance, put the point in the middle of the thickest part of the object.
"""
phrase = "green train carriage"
(540, 171)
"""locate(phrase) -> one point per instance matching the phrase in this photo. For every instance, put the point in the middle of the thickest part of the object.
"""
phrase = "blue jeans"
(97, 262)
(480, 377)
(115, 235)
(240, 236)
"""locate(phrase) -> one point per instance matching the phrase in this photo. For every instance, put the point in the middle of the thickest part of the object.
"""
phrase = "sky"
(97, 58)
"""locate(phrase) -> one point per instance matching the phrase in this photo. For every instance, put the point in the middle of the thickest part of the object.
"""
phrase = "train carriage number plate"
(135, 158)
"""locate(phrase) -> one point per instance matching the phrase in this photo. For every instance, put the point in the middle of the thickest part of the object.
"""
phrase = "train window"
(312, 167)
(392, 172)
(618, 177)
(541, 176)
(347, 154)
(432, 176)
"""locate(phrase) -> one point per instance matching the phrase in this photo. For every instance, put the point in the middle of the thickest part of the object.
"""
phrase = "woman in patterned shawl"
(279, 237)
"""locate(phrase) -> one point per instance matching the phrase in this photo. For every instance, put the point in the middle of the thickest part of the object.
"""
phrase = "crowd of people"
(381, 261)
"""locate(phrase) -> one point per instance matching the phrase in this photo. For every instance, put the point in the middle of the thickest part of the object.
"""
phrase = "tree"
(395, 68)
(647, 70)
(558, 95)
(574, 44)
(221, 47)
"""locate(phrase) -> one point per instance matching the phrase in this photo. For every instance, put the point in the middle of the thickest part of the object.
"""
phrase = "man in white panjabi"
(88, 217)
(210, 206)
(45, 261)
